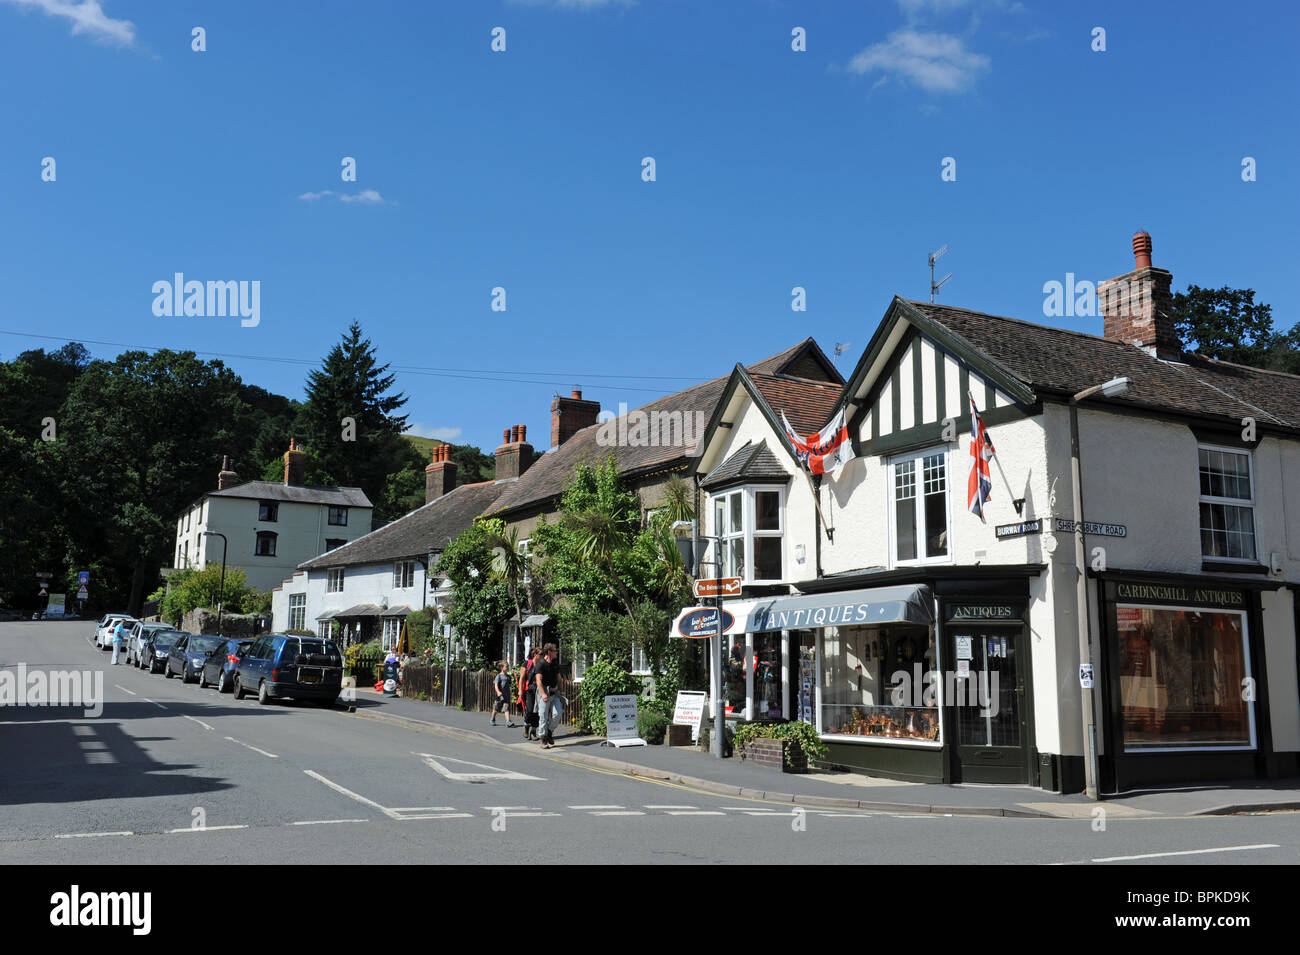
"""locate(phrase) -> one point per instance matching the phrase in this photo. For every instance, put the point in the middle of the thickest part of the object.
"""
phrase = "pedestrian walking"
(528, 694)
(547, 678)
(117, 642)
(501, 687)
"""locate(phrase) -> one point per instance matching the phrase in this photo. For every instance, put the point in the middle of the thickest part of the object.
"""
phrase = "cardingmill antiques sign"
(1179, 594)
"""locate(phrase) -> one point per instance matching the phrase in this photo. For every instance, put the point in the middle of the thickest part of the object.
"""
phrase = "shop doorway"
(988, 700)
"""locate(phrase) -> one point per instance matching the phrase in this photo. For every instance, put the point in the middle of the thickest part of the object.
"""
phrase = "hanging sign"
(1064, 526)
(1019, 530)
(701, 622)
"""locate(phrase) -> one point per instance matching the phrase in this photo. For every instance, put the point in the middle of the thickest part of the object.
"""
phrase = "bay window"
(749, 522)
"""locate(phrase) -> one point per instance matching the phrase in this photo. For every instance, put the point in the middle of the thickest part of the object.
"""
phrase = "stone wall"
(204, 621)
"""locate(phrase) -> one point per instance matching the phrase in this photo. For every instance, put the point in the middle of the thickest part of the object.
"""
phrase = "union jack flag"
(980, 485)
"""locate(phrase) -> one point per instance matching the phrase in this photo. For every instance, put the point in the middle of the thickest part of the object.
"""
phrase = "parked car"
(104, 633)
(136, 639)
(158, 643)
(220, 668)
(278, 665)
(188, 654)
(9, 614)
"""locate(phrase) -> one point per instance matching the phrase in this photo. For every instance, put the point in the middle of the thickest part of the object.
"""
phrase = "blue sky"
(522, 169)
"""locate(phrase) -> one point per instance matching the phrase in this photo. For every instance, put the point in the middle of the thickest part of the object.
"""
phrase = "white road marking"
(325, 822)
(155, 703)
(667, 806)
(253, 748)
(93, 835)
(492, 771)
(596, 807)
(390, 813)
(619, 812)
(204, 829)
(513, 812)
(125, 690)
(693, 812)
(200, 722)
(1187, 852)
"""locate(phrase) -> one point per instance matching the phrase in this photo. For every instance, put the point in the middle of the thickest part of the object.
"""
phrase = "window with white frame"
(297, 611)
(749, 522)
(526, 552)
(392, 632)
(403, 574)
(323, 630)
(335, 583)
(640, 663)
(1227, 504)
(920, 511)
(581, 662)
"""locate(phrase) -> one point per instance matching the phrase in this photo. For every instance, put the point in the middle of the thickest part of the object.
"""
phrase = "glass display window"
(870, 687)
(1182, 674)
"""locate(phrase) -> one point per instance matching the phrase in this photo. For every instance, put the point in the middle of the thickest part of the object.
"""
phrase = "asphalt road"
(169, 773)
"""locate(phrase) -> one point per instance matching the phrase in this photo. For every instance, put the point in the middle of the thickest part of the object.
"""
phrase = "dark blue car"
(220, 668)
(279, 665)
(157, 645)
(188, 655)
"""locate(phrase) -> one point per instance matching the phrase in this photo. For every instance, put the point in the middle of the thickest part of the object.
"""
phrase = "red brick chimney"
(515, 454)
(1138, 306)
(227, 477)
(295, 464)
(570, 415)
(439, 474)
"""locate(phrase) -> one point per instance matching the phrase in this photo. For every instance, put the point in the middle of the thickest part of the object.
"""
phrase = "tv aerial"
(935, 286)
(840, 349)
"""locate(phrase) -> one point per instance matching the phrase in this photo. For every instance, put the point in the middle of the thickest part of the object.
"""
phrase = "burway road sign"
(718, 587)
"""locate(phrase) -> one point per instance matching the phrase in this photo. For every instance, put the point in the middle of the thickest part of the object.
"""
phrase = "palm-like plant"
(509, 565)
(602, 534)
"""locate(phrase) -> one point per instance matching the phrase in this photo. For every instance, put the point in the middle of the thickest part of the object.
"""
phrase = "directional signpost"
(718, 587)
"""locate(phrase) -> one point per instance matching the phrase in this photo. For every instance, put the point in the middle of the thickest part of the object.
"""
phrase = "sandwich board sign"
(690, 710)
(620, 721)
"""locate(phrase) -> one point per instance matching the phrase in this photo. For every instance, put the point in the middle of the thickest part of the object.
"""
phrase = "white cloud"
(440, 433)
(87, 17)
(368, 197)
(936, 62)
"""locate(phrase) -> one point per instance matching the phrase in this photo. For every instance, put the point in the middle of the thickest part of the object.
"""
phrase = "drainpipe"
(817, 525)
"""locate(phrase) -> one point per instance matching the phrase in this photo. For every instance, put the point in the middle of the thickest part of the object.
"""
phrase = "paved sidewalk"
(690, 767)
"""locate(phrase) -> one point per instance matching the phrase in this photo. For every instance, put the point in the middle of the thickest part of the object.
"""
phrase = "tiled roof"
(297, 493)
(1066, 362)
(417, 534)
(807, 404)
(544, 481)
(750, 462)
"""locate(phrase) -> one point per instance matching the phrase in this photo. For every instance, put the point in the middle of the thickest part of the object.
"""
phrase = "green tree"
(352, 384)
(139, 440)
(480, 600)
(191, 588)
(1227, 324)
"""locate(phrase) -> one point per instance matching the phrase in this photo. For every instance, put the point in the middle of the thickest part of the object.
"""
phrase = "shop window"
(297, 611)
(734, 687)
(335, 583)
(767, 676)
(265, 544)
(920, 511)
(1182, 674)
(1227, 505)
(749, 522)
(869, 683)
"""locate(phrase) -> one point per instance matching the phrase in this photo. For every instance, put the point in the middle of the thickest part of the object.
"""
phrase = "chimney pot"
(505, 436)
(1142, 250)
(523, 432)
(577, 393)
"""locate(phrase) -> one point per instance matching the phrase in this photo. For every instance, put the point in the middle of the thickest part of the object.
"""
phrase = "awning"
(361, 610)
(327, 615)
(401, 611)
(536, 619)
(908, 603)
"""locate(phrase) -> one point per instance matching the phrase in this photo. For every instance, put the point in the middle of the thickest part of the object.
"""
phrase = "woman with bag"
(528, 695)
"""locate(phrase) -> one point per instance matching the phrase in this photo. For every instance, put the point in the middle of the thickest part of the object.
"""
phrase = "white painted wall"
(364, 584)
(1280, 652)
(301, 531)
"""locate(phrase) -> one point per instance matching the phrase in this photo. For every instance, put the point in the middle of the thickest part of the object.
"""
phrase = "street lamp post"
(221, 593)
(1116, 386)
(719, 705)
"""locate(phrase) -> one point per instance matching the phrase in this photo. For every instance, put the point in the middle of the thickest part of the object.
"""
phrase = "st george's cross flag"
(979, 485)
(826, 451)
